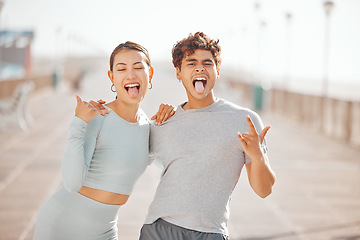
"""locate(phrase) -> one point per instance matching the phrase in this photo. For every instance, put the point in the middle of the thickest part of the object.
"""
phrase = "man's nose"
(199, 68)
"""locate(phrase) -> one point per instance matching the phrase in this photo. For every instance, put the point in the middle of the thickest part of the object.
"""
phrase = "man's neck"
(196, 103)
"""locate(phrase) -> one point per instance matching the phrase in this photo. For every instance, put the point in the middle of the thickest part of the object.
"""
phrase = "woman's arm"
(77, 155)
(165, 111)
(73, 167)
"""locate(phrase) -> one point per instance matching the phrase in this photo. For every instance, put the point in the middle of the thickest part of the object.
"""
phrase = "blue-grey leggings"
(70, 216)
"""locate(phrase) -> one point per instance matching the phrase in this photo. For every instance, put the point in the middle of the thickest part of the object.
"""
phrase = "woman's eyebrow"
(120, 63)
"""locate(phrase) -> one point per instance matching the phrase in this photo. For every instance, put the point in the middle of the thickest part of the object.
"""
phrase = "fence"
(336, 118)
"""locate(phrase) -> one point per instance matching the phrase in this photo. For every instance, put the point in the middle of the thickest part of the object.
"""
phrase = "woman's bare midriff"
(104, 196)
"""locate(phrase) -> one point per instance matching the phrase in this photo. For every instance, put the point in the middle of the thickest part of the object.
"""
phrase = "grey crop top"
(107, 153)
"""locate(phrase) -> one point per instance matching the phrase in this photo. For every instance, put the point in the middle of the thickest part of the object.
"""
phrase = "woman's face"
(131, 75)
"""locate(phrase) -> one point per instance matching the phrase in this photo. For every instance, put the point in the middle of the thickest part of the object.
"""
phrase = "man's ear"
(218, 72)
(111, 76)
(178, 72)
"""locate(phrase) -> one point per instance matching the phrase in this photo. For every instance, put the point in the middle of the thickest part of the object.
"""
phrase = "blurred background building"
(15, 50)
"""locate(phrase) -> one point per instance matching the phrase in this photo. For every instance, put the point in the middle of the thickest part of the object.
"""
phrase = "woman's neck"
(128, 112)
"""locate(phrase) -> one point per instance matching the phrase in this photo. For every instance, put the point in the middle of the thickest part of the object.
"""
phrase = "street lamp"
(256, 39)
(1, 6)
(288, 46)
(328, 6)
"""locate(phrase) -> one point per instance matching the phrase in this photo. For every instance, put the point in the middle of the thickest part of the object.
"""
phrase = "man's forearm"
(261, 177)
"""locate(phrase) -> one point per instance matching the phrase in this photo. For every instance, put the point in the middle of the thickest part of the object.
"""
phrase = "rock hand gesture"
(261, 177)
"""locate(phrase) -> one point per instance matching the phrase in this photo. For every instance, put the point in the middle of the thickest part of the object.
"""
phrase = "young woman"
(105, 155)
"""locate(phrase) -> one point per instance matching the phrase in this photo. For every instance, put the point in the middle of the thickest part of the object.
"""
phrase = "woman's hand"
(165, 111)
(86, 111)
(99, 104)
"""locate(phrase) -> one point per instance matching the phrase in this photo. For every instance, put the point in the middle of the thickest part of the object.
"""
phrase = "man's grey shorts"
(162, 230)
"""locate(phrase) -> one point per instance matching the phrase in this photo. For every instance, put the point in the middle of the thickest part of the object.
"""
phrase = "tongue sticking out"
(199, 86)
(133, 91)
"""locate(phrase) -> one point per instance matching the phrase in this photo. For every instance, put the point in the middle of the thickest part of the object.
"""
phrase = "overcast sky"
(276, 47)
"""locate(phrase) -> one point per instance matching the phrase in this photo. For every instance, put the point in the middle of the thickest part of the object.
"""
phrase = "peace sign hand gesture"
(251, 142)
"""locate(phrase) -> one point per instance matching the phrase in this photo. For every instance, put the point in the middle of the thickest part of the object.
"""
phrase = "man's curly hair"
(189, 45)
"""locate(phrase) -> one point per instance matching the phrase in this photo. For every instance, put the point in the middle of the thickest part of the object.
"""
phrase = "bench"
(14, 110)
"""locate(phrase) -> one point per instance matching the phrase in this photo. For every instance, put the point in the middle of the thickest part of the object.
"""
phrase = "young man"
(202, 152)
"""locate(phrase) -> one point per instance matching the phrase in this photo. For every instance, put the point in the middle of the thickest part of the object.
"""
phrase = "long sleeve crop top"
(107, 153)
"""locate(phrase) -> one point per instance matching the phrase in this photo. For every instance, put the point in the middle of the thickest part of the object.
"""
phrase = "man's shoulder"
(232, 109)
(230, 106)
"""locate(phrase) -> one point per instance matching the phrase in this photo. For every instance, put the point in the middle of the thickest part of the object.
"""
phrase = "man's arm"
(261, 177)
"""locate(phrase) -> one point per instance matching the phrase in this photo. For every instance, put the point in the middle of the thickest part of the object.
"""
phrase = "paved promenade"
(316, 195)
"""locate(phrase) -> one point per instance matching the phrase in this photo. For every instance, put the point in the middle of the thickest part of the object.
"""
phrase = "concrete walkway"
(316, 196)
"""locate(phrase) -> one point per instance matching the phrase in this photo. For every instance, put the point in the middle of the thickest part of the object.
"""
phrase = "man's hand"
(251, 142)
(86, 111)
(165, 111)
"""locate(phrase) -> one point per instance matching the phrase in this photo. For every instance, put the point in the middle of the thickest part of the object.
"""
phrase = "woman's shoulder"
(143, 118)
(95, 125)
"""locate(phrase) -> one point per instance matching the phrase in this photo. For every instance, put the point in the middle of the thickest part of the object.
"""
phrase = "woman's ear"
(111, 76)
(151, 74)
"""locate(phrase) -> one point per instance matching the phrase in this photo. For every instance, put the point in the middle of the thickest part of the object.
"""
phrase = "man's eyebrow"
(191, 60)
(208, 60)
(195, 60)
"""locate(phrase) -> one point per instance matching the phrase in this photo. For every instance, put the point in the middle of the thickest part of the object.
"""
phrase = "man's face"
(198, 74)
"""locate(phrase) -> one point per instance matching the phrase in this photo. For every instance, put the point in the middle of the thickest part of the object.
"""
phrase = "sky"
(252, 39)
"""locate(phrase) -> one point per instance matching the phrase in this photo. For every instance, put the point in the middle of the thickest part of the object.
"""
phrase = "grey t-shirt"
(202, 158)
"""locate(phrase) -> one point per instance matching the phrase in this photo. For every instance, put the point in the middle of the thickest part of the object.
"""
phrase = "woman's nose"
(131, 74)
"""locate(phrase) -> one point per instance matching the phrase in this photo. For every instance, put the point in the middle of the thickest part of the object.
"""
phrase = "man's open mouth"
(132, 89)
(199, 84)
